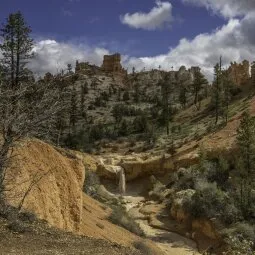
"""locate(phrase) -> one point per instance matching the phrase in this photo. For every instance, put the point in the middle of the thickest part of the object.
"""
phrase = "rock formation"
(86, 68)
(112, 65)
(239, 74)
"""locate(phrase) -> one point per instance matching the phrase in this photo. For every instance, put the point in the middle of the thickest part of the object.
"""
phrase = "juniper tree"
(16, 48)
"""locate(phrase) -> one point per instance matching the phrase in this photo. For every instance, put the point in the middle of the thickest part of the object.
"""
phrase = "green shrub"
(239, 245)
(241, 229)
(208, 201)
(126, 96)
(18, 227)
(123, 129)
(186, 179)
(141, 124)
(100, 102)
(219, 172)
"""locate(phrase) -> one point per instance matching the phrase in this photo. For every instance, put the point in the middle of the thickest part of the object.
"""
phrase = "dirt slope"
(40, 239)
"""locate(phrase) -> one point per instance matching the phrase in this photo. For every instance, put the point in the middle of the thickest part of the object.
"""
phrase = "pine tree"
(198, 84)
(73, 109)
(226, 84)
(217, 92)
(136, 92)
(82, 109)
(246, 162)
(126, 96)
(183, 96)
(69, 68)
(16, 48)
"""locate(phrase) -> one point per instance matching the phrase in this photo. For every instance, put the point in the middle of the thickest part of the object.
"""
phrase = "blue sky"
(147, 33)
(97, 22)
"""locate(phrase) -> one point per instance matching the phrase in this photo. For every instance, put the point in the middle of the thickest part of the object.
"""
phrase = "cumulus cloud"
(234, 42)
(227, 8)
(52, 56)
(158, 17)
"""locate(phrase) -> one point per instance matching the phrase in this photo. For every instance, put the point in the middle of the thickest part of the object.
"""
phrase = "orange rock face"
(239, 73)
(111, 64)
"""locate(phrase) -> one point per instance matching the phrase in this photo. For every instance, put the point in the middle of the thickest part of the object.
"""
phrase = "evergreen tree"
(73, 109)
(226, 84)
(136, 92)
(198, 84)
(86, 88)
(16, 48)
(217, 92)
(126, 96)
(183, 96)
(69, 68)
(82, 109)
(246, 162)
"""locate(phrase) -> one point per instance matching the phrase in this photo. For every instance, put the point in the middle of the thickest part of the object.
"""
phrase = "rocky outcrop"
(205, 227)
(239, 74)
(142, 165)
(111, 64)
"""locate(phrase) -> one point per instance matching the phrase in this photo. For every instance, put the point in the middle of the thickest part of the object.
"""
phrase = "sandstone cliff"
(56, 195)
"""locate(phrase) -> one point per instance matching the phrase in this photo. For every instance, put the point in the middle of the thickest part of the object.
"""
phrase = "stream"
(170, 243)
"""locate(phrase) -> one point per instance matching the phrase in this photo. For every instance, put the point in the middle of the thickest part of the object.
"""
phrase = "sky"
(147, 33)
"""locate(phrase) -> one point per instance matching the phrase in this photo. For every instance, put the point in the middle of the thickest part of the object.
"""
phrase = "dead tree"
(27, 111)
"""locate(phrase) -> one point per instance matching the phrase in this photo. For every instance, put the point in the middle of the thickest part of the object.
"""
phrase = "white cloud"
(231, 41)
(158, 17)
(227, 8)
(52, 56)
